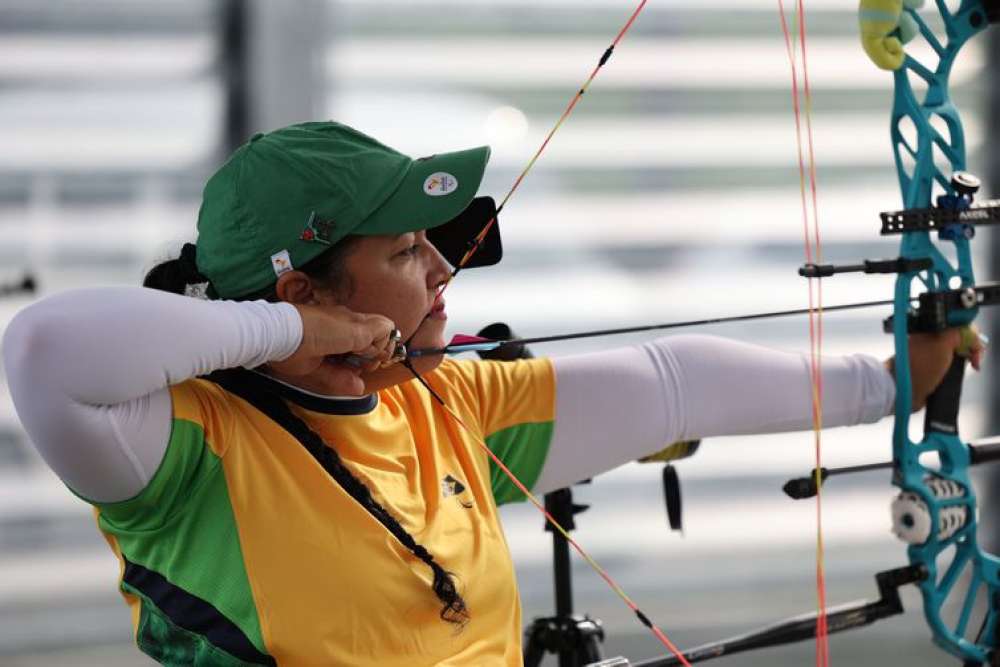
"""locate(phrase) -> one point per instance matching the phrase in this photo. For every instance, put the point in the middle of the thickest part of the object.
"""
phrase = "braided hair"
(176, 276)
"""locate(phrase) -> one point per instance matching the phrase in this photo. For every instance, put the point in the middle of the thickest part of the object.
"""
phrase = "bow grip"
(941, 412)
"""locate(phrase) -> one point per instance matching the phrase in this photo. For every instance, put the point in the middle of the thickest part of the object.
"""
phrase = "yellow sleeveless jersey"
(243, 550)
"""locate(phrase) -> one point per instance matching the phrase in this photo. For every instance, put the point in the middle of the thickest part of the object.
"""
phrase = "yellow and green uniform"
(243, 549)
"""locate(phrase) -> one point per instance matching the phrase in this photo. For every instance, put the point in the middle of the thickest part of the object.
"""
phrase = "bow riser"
(946, 492)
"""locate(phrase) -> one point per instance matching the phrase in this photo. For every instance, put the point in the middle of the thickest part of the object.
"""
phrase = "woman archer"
(271, 499)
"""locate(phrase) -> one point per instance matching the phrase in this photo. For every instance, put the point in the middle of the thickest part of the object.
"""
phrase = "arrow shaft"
(493, 345)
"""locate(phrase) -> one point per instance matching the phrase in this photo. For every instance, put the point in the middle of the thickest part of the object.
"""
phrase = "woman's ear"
(295, 287)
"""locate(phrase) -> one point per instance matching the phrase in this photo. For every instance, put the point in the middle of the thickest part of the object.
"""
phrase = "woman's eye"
(412, 250)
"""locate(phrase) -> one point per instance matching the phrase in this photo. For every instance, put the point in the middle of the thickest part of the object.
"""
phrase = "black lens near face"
(457, 236)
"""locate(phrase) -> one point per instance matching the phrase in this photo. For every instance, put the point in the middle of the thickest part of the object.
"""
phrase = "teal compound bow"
(935, 510)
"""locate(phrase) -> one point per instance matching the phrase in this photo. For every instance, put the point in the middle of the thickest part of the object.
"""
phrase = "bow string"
(802, 108)
(477, 242)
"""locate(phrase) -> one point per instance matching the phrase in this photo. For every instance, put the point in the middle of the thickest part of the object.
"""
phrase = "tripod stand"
(575, 638)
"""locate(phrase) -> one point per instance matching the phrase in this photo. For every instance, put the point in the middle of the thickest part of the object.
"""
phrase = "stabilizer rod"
(843, 617)
(800, 488)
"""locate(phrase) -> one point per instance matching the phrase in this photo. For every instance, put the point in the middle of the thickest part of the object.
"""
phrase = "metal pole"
(560, 505)
(233, 23)
(272, 65)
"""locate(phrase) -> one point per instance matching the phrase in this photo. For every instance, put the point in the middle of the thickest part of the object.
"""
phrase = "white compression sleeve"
(88, 371)
(616, 406)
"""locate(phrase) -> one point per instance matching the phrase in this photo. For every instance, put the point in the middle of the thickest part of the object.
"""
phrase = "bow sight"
(954, 218)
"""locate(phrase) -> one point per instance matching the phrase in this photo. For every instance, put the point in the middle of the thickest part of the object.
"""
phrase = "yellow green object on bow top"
(885, 28)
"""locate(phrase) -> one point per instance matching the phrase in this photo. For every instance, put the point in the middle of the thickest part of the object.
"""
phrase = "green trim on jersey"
(523, 448)
(187, 503)
(173, 646)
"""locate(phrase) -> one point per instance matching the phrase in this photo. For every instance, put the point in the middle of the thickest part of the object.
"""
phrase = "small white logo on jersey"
(439, 184)
(281, 262)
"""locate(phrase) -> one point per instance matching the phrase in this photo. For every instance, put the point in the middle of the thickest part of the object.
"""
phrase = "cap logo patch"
(439, 184)
(318, 230)
(281, 262)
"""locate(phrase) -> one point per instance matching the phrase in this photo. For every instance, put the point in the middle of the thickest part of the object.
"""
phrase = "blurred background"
(671, 193)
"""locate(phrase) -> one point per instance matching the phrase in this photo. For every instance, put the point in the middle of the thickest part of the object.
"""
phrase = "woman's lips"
(437, 312)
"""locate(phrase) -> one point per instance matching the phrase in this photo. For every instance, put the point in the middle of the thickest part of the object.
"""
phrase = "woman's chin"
(429, 336)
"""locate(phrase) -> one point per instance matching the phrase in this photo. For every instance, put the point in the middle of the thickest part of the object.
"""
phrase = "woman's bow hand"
(931, 354)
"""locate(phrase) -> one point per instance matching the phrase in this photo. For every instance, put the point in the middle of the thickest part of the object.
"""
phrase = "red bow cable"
(645, 620)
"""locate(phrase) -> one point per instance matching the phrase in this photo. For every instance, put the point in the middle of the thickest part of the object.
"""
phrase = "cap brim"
(410, 208)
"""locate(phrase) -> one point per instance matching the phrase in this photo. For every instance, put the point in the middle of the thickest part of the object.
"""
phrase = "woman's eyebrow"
(399, 240)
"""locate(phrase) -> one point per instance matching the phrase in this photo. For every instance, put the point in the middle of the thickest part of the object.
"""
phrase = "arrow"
(466, 343)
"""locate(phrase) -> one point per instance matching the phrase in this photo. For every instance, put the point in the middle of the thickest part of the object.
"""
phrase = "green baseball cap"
(286, 196)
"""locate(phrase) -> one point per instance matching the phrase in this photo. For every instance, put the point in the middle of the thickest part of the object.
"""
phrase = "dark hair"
(329, 270)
